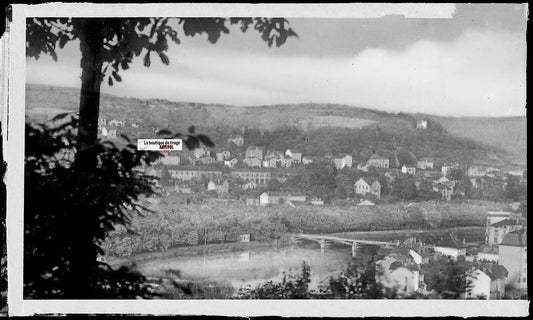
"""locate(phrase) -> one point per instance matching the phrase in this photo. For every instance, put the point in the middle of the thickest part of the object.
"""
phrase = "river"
(255, 266)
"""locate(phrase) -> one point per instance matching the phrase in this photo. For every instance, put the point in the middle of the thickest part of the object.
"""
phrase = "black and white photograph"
(369, 152)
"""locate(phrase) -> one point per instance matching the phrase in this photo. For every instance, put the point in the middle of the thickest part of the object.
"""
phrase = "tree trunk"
(85, 222)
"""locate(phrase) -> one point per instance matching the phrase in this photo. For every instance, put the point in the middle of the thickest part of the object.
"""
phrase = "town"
(237, 173)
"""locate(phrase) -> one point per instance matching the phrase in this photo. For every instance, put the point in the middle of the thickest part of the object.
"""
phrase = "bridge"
(324, 239)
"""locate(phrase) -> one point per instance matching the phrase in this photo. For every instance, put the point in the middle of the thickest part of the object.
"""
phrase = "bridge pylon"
(322, 246)
(354, 249)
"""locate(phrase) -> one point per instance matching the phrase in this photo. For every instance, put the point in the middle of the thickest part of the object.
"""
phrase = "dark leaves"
(163, 132)
(164, 58)
(146, 60)
(205, 140)
(116, 76)
(61, 116)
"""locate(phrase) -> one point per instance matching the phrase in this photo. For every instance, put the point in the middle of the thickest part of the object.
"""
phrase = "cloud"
(478, 74)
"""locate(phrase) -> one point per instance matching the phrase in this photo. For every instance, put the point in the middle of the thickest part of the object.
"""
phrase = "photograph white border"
(14, 153)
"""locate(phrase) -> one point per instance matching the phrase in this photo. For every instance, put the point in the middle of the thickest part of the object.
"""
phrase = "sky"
(473, 64)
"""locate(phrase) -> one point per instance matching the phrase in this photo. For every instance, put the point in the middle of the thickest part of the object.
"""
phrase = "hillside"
(494, 141)
(508, 134)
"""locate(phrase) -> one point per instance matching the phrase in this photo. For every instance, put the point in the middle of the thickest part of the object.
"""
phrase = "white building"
(295, 155)
(345, 161)
(480, 284)
(231, 163)
(513, 256)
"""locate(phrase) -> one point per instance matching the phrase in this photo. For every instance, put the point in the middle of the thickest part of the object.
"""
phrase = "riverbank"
(210, 249)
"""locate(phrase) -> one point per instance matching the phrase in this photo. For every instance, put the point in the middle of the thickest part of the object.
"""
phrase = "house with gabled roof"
(364, 186)
(486, 280)
(396, 272)
(253, 162)
(296, 155)
(341, 162)
(254, 152)
(498, 230)
(378, 161)
(425, 164)
(450, 246)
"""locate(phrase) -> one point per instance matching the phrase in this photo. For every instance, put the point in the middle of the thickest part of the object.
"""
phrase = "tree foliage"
(87, 197)
(122, 39)
(57, 190)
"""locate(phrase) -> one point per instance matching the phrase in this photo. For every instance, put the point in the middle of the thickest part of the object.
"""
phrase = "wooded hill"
(316, 129)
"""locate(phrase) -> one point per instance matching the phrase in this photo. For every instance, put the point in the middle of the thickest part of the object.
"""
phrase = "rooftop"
(516, 238)
(510, 222)
(378, 157)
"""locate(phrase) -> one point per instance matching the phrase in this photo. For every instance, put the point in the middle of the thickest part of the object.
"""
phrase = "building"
(253, 162)
(286, 162)
(408, 169)
(365, 185)
(295, 155)
(254, 152)
(446, 168)
(250, 185)
(258, 177)
(211, 186)
(102, 121)
(450, 246)
(396, 273)
(487, 281)
(237, 140)
(476, 171)
(206, 160)
(273, 162)
(200, 152)
(513, 256)
(252, 201)
(378, 161)
(222, 188)
(231, 163)
(425, 164)
(116, 123)
(497, 231)
(345, 161)
(112, 133)
(422, 124)
(171, 160)
(244, 237)
(223, 155)
(280, 197)
(493, 217)
(488, 253)
(187, 174)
